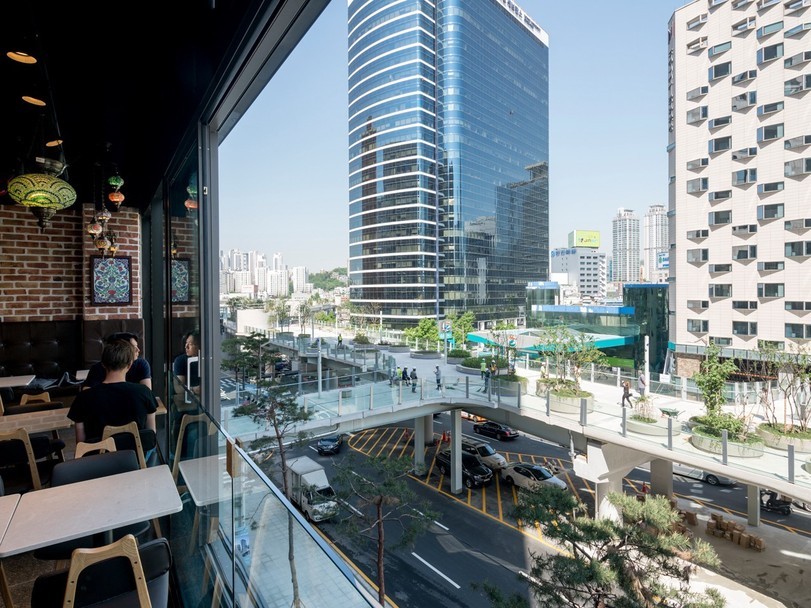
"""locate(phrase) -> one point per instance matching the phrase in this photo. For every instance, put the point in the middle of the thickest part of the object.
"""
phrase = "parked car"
(330, 445)
(711, 478)
(530, 476)
(489, 457)
(495, 429)
(474, 473)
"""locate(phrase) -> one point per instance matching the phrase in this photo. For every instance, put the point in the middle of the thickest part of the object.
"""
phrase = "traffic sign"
(446, 327)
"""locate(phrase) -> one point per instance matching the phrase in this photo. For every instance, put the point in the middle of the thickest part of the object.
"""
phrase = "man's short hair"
(117, 355)
(121, 335)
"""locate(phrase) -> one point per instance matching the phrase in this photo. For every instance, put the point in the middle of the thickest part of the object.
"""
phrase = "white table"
(206, 479)
(53, 515)
(13, 381)
(81, 375)
(8, 504)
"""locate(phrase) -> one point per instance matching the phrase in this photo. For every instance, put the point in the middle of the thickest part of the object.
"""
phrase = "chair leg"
(6, 592)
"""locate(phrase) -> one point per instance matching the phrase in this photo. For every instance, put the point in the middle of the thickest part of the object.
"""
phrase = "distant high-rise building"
(655, 245)
(298, 276)
(277, 262)
(625, 250)
(585, 268)
(278, 283)
(448, 158)
(738, 150)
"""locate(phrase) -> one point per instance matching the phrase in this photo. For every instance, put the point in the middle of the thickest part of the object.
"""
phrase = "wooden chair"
(16, 454)
(43, 397)
(97, 447)
(183, 449)
(134, 432)
(119, 574)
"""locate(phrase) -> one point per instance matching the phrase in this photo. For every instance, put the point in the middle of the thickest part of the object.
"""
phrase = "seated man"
(140, 372)
(115, 401)
(181, 368)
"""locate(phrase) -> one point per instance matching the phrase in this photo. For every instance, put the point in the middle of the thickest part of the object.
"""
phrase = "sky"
(284, 171)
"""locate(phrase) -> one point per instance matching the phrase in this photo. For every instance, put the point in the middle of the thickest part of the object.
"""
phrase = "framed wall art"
(180, 281)
(112, 280)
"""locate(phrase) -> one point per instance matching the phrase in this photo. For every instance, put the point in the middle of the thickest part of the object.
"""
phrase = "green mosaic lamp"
(44, 194)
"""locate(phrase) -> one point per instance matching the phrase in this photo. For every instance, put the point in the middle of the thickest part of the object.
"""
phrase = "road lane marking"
(435, 570)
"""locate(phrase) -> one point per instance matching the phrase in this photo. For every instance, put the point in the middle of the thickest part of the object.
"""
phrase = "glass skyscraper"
(448, 158)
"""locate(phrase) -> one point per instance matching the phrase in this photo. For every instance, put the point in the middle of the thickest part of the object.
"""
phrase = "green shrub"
(786, 431)
(645, 419)
(476, 362)
(513, 378)
(361, 339)
(459, 353)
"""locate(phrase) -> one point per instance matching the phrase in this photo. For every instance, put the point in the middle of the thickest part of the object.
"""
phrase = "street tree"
(712, 376)
(638, 561)
(426, 332)
(461, 326)
(792, 367)
(379, 495)
(568, 348)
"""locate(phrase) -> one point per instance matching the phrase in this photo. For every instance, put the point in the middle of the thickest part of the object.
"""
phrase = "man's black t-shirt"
(112, 404)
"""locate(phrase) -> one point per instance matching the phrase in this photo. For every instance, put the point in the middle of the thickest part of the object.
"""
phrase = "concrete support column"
(456, 451)
(427, 431)
(419, 443)
(661, 477)
(753, 505)
(603, 508)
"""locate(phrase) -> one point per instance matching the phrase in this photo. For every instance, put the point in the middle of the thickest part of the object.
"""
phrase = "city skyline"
(631, 127)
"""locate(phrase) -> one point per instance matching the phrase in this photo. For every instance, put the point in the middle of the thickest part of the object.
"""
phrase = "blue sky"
(283, 169)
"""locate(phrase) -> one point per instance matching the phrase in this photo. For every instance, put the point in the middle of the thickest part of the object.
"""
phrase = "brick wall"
(688, 365)
(46, 276)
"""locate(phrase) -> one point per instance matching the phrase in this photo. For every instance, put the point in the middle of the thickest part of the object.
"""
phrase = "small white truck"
(310, 489)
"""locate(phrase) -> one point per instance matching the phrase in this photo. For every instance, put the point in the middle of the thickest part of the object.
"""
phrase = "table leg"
(6, 592)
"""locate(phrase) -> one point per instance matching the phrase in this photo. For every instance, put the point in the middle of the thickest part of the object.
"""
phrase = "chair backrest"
(97, 447)
(94, 466)
(119, 574)
(127, 437)
(186, 443)
(15, 450)
(44, 396)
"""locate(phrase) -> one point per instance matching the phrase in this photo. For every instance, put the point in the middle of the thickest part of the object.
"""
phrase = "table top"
(45, 517)
(8, 504)
(206, 479)
(12, 381)
(82, 374)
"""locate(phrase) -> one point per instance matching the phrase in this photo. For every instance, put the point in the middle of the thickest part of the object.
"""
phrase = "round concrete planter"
(425, 354)
(658, 428)
(569, 405)
(781, 442)
(455, 361)
(471, 371)
(396, 348)
(713, 446)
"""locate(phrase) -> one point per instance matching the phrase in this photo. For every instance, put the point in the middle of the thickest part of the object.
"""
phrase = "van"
(485, 452)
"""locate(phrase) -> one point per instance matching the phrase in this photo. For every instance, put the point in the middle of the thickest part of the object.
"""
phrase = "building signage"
(584, 238)
(663, 260)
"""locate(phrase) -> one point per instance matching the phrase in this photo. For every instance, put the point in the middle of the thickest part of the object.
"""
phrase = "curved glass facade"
(448, 158)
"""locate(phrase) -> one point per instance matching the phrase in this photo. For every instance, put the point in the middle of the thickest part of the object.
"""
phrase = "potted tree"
(645, 421)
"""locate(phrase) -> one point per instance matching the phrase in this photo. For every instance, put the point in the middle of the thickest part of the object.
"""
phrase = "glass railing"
(238, 538)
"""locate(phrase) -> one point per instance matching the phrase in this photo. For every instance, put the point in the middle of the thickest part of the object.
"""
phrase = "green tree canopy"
(426, 332)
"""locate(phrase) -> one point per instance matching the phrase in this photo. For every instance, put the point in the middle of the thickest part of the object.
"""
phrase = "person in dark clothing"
(626, 393)
(413, 379)
(406, 379)
(140, 372)
(486, 384)
(181, 367)
(115, 401)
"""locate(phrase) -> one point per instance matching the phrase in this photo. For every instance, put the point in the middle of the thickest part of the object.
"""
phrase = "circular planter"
(425, 354)
(781, 442)
(471, 371)
(397, 348)
(454, 361)
(658, 428)
(739, 450)
(569, 405)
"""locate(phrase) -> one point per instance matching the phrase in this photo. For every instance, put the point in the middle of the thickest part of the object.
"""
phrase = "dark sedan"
(494, 429)
(329, 445)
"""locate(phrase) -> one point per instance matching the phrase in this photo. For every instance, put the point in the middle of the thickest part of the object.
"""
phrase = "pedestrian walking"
(406, 379)
(438, 375)
(641, 385)
(340, 340)
(486, 384)
(391, 377)
(626, 394)
(413, 379)
(483, 367)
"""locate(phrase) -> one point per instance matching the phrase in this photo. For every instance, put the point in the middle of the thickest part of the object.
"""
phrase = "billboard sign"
(584, 238)
(663, 260)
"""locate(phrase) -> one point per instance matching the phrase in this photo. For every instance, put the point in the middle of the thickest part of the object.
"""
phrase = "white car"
(685, 470)
(529, 476)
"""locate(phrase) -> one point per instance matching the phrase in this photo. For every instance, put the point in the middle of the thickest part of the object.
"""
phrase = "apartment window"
(798, 306)
(744, 252)
(697, 21)
(767, 30)
(800, 166)
(797, 142)
(744, 100)
(798, 249)
(719, 70)
(769, 53)
(770, 187)
(744, 153)
(698, 234)
(699, 184)
(743, 26)
(720, 195)
(740, 3)
(744, 328)
(719, 144)
(798, 331)
(713, 3)
(744, 229)
(764, 3)
(719, 48)
(721, 341)
(795, 5)
(721, 121)
(744, 176)
(770, 212)
(799, 225)
(698, 325)
(770, 290)
(697, 92)
(718, 268)
(698, 163)
(697, 114)
(744, 76)
(797, 30)
(721, 290)
(770, 132)
(697, 44)
(770, 266)
(797, 85)
(698, 255)
(798, 59)
(744, 304)
(718, 218)
(770, 108)
(698, 304)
